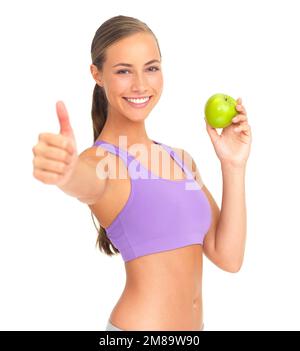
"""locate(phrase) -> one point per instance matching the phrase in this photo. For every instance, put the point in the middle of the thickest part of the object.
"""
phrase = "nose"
(139, 83)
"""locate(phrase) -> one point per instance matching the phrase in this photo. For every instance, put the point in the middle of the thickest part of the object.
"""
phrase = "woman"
(160, 224)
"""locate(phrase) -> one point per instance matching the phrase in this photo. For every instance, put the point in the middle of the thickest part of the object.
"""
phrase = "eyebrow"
(129, 65)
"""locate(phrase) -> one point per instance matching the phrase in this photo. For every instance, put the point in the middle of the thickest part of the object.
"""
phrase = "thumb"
(212, 132)
(64, 121)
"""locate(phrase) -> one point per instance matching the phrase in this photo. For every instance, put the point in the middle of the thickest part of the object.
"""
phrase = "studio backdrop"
(52, 275)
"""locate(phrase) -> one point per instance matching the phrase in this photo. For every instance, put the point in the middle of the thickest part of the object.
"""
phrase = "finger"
(52, 153)
(49, 165)
(239, 118)
(239, 101)
(45, 177)
(57, 140)
(242, 128)
(240, 108)
(64, 120)
(212, 132)
(246, 131)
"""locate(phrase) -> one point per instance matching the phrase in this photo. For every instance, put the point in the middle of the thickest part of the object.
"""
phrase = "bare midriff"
(162, 292)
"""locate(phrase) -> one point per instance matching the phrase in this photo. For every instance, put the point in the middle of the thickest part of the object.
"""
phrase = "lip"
(132, 104)
(137, 97)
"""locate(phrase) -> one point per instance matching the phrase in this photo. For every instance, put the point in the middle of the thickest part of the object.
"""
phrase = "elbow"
(228, 264)
(231, 263)
(232, 267)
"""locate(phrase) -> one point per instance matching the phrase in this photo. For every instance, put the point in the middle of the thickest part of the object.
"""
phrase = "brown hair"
(111, 31)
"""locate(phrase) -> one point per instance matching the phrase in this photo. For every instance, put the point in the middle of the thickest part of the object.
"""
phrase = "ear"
(96, 74)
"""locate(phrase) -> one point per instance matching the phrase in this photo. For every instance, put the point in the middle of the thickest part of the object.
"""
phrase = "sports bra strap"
(175, 156)
(125, 156)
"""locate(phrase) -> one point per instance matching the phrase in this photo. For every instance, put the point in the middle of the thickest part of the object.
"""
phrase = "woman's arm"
(85, 183)
(225, 243)
(57, 162)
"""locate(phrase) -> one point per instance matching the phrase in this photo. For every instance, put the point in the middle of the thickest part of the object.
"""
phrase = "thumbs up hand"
(55, 155)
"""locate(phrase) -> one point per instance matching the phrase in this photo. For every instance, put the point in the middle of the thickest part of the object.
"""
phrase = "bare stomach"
(163, 291)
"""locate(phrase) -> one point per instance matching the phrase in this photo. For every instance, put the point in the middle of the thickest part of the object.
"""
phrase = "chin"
(136, 118)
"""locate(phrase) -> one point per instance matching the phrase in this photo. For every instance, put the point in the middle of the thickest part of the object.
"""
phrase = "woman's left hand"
(233, 146)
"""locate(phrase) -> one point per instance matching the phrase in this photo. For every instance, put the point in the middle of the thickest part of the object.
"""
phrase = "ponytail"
(110, 32)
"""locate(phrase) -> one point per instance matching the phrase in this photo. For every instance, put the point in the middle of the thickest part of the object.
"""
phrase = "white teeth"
(138, 101)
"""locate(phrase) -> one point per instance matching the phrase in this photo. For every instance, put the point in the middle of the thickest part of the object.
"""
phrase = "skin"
(165, 287)
(163, 291)
(153, 282)
(137, 81)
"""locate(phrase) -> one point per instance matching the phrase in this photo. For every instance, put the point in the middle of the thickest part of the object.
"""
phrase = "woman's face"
(138, 78)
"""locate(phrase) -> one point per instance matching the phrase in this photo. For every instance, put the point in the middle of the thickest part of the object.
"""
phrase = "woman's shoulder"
(185, 157)
(190, 163)
(95, 152)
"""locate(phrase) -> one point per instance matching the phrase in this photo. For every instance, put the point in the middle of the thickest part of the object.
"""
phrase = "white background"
(51, 274)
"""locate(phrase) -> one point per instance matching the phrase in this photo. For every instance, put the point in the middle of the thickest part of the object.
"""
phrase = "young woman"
(160, 219)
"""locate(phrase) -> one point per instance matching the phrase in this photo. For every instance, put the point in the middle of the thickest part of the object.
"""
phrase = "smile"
(138, 103)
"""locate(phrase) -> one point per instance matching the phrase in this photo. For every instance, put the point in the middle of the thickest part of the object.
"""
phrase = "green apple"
(219, 110)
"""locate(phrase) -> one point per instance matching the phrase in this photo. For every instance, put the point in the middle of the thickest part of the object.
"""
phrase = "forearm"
(232, 225)
(83, 183)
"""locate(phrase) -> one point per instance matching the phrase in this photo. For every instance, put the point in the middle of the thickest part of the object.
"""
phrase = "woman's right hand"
(55, 155)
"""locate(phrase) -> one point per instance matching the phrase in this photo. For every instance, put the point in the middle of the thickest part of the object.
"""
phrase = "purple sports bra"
(160, 214)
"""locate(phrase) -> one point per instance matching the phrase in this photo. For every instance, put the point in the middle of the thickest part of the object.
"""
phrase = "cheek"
(117, 87)
(156, 81)
(118, 84)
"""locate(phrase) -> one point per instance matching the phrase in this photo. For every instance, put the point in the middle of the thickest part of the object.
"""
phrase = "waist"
(183, 292)
(162, 291)
(164, 309)
(179, 269)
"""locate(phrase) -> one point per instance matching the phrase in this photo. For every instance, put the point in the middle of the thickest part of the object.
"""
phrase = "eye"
(122, 70)
(126, 70)
(156, 68)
